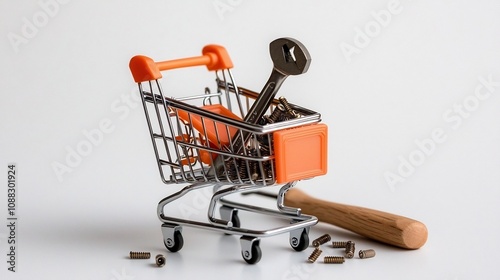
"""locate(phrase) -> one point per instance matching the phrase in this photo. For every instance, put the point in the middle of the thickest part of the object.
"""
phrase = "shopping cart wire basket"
(194, 142)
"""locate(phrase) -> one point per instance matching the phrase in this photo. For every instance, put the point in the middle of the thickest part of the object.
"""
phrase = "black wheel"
(235, 220)
(256, 254)
(300, 244)
(176, 244)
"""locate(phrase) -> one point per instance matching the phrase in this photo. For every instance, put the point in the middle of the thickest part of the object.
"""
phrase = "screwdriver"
(381, 226)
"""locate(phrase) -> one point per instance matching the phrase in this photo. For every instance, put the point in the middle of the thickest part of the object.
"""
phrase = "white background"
(69, 72)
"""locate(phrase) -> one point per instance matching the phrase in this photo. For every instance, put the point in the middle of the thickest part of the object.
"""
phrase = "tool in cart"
(290, 57)
(381, 226)
(190, 134)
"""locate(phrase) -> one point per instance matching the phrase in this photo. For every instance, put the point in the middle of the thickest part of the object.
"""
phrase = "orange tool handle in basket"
(144, 69)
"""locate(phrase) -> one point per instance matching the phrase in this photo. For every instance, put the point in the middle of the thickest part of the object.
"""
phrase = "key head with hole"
(290, 57)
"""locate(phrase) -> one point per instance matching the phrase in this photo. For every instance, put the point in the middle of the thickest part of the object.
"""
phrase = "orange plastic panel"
(206, 155)
(301, 152)
(211, 126)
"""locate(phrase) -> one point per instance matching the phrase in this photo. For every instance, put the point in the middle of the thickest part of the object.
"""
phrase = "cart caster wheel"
(255, 256)
(301, 243)
(175, 244)
(250, 249)
(230, 214)
(236, 220)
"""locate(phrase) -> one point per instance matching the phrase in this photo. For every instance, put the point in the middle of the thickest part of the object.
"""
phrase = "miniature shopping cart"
(194, 143)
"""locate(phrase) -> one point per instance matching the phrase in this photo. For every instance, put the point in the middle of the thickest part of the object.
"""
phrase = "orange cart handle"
(144, 68)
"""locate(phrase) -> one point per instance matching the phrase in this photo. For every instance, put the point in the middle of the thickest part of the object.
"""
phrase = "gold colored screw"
(349, 249)
(276, 114)
(339, 244)
(333, 259)
(365, 254)
(314, 255)
(160, 260)
(140, 255)
(287, 107)
(321, 240)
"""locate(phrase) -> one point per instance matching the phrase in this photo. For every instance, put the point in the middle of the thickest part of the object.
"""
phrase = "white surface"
(72, 72)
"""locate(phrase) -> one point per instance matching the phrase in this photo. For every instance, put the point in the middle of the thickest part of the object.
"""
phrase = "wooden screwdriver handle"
(381, 226)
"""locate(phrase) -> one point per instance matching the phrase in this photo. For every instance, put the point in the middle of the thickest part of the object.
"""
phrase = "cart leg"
(250, 249)
(172, 237)
(299, 239)
(215, 199)
(281, 200)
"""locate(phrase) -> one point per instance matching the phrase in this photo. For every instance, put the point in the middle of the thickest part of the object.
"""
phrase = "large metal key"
(289, 57)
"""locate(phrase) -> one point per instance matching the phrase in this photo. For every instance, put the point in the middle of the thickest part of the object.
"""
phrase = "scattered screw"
(349, 249)
(321, 240)
(333, 259)
(160, 260)
(314, 255)
(365, 254)
(339, 244)
(140, 255)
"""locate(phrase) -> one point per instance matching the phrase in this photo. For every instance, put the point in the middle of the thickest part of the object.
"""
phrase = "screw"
(333, 259)
(276, 114)
(314, 255)
(321, 240)
(349, 249)
(160, 260)
(140, 255)
(339, 244)
(254, 165)
(287, 107)
(365, 254)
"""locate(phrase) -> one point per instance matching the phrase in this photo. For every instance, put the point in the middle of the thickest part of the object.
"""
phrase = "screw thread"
(314, 255)
(339, 244)
(321, 240)
(285, 103)
(287, 107)
(333, 259)
(140, 255)
(277, 112)
(254, 165)
(242, 168)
